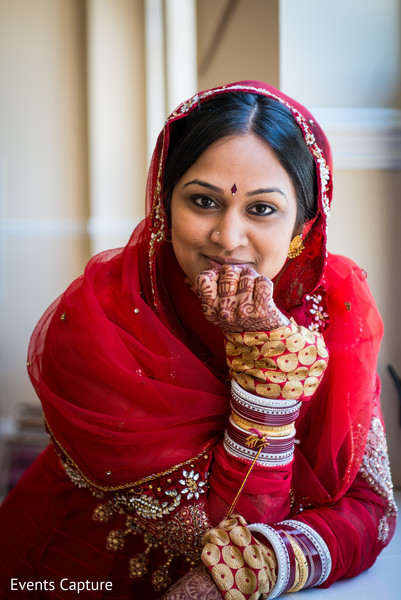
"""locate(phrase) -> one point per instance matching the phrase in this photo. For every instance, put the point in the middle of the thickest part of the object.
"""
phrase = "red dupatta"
(133, 378)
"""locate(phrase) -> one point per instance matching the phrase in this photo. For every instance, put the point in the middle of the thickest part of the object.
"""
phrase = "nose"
(229, 231)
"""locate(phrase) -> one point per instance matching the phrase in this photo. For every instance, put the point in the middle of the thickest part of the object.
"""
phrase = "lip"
(219, 261)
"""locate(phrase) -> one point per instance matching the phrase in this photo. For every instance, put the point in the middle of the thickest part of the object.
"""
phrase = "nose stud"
(217, 232)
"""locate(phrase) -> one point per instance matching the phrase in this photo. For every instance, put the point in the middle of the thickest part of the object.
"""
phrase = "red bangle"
(291, 556)
(276, 445)
(310, 551)
(271, 417)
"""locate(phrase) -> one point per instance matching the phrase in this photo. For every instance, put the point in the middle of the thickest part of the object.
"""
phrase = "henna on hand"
(195, 585)
(238, 299)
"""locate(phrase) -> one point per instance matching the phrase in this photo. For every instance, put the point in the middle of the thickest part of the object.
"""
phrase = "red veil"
(133, 379)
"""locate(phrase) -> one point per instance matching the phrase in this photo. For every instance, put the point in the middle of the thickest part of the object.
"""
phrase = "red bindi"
(233, 189)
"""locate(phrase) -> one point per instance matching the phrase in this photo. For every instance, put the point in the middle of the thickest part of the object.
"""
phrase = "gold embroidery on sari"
(168, 509)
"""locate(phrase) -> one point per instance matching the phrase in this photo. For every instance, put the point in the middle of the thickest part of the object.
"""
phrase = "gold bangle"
(302, 564)
(270, 431)
(269, 556)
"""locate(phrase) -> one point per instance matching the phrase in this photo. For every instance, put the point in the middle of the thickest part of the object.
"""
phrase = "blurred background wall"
(85, 86)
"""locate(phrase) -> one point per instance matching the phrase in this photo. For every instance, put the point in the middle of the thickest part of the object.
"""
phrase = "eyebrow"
(205, 184)
(215, 188)
(269, 190)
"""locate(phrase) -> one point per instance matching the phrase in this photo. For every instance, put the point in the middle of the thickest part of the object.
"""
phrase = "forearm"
(320, 545)
(273, 372)
(355, 529)
(348, 535)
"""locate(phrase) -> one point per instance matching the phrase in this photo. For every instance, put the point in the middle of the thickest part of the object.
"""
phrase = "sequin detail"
(375, 468)
(317, 315)
(158, 221)
(168, 509)
(384, 529)
(193, 485)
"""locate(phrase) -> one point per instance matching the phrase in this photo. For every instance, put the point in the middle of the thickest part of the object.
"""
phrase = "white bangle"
(283, 560)
(260, 401)
(265, 459)
(265, 410)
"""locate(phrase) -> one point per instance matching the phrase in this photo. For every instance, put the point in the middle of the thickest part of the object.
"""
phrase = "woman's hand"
(195, 585)
(238, 299)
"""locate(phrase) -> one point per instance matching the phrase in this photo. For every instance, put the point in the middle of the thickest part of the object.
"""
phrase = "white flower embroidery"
(384, 529)
(192, 487)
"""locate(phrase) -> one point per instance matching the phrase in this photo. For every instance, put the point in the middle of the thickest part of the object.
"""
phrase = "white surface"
(380, 582)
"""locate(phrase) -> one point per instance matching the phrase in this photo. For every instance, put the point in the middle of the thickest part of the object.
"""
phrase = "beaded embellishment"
(315, 308)
(168, 509)
(375, 468)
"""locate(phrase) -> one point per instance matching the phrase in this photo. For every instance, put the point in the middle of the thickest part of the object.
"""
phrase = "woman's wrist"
(270, 559)
(272, 372)
(239, 563)
(284, 364)
(303, 557)
(256, 422)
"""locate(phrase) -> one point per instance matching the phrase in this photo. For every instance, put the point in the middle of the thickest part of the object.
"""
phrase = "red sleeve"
(355, 529)
(361, 523)
(267, 490)
(273, 373)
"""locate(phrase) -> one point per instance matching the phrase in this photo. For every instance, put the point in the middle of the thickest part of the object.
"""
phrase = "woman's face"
(236, 205)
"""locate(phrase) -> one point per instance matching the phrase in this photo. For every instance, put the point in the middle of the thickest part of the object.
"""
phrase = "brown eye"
(204, 202)
(262, 209)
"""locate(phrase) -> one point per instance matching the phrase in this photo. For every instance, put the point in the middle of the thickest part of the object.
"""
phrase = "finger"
(228, 280)
(267, 280)
(265, 306)
(206, 285)
(263, 293)
(246, 281)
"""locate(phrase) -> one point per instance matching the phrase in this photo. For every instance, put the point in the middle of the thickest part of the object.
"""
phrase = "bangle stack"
(255, 420)
(315, 549)
(303, 558)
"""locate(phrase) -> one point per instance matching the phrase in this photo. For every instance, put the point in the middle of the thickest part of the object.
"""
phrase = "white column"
(155, 72)
(117, 117)
(181, 51)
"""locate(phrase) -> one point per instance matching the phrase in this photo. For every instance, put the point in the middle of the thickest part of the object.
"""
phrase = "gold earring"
(296, 247)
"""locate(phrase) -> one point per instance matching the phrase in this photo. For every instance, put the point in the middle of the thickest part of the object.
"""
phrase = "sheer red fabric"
(133, 379)
(98, 365)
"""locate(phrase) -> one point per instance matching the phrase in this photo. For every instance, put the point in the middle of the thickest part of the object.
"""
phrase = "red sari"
(136, 397)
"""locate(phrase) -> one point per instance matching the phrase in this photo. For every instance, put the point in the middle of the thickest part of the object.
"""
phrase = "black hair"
(240, 113)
